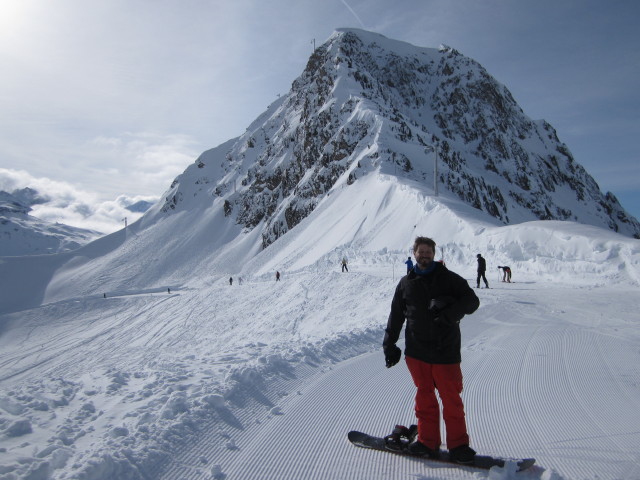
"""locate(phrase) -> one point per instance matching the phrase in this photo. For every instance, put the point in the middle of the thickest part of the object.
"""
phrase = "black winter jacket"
(482, 265)
(427, 339)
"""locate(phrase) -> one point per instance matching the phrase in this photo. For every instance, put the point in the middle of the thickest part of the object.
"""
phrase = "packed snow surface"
(264, 379)
(184, 376)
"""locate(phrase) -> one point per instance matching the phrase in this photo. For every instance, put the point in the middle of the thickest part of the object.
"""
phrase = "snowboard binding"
(401, 437)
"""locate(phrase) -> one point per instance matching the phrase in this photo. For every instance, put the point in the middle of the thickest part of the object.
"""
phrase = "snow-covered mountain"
(132, 357)
(24, 234)
(366, 103)
(354, 127)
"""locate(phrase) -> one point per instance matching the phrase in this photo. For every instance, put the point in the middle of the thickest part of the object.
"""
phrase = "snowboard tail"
(485, 462)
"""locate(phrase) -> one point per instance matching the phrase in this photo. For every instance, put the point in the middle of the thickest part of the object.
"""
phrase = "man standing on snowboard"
(433, 300)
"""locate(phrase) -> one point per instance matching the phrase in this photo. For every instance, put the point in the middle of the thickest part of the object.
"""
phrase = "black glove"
(392, 355)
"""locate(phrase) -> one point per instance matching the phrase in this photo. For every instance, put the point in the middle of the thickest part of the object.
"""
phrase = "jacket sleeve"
(466, 301)
(396, 319)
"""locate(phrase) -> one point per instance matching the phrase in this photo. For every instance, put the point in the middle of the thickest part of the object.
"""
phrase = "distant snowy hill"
(24, 234)
(140, 206)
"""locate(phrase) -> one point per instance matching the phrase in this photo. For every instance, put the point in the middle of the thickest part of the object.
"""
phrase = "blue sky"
(112, 99)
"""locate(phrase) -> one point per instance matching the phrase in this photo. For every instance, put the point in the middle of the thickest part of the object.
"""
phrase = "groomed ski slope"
(263, 380)
(541, 380)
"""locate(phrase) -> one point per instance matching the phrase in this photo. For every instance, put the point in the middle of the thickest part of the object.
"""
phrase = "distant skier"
(230, 280)
(277, 276)
(344, 264)
(432, 300)
(482, 268)
(506, 274)
(409, 264)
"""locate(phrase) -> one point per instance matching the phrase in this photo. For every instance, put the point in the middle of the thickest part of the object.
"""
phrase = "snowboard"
(485, 462)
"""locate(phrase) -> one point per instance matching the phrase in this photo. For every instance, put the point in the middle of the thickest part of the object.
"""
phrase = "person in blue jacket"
(409, 264)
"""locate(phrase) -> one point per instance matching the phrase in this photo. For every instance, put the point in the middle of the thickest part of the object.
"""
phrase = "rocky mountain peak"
(365, 103)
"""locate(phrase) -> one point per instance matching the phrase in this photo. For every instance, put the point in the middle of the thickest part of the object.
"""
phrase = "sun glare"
(14, 17)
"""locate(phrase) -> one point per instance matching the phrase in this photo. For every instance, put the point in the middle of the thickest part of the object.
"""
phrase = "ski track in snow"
(556, 378)
(547, 375)
(512, 381)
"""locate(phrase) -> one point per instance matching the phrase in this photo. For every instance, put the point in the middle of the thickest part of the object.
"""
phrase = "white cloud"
(73, 206)
(145, 163)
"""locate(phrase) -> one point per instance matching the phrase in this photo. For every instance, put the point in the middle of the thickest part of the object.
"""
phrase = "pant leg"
(427, 407)
(448, 381)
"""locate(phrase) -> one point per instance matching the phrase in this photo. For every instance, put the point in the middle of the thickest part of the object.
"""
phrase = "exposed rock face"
(366, 103)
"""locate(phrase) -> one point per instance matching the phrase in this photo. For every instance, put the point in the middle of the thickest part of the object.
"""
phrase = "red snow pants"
(447, 379)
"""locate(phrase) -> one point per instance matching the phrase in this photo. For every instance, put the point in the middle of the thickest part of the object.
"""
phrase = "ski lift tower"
(434, 149)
